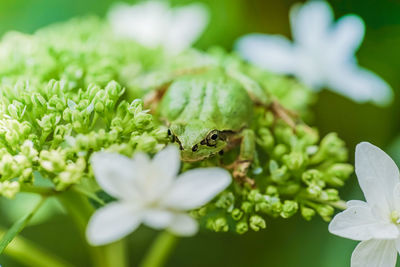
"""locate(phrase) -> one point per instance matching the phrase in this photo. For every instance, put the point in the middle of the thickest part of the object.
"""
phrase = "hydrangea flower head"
(322, 54)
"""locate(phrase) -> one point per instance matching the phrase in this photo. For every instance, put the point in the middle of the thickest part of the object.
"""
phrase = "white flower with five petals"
(148, 192)
(322, 54)
(155, 24)
(376, 222)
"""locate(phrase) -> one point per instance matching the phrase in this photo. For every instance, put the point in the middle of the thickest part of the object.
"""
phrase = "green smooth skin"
(195, 107)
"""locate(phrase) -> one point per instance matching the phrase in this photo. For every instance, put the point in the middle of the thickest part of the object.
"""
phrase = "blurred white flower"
(148, 192)
(322, 54)
(375, 222)
(156, 24)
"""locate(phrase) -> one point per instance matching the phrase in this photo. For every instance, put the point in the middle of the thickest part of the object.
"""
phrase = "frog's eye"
(171, 136)
(212, 138)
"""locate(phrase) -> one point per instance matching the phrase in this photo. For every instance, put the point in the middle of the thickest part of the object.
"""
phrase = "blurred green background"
(284, 243)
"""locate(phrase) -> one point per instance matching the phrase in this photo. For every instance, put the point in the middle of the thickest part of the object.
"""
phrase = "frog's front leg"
(242, 163)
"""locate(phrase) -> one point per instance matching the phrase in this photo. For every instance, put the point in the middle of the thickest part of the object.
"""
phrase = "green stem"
(78, 206)
(160, 250)
(115, 254)
(44, 191)
(28, 254)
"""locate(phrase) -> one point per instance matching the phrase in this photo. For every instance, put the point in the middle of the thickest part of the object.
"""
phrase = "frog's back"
(220, 101)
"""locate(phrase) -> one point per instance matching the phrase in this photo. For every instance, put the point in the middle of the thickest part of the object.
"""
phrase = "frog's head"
(197, 140)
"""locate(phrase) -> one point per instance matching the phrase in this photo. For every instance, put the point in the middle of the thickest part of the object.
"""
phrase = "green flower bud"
(9, 167)
(262, 207)
(289, 188)
(289, 208)
(330, 194)
(247, 207)
(202, 211)
(271, 190)
(218, 225)
(314, 190)
(265, 138)
(294, 160)
(225, 201)
(114, 89)
(52, 161)
(307, 213)
(255, 196)
(278, 175)
(311, 176)
(331, 148)
(325, 211)
(237, 214)
(274, 204)
(242, 227)
(308, 135)
(257, 223)
(284, 134)
(279, 151)
(9, 189)
(337, 173)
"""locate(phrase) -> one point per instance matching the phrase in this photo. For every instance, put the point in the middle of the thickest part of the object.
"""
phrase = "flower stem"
(80, 210)
(27, 253)
(160, 250)
(115, 254)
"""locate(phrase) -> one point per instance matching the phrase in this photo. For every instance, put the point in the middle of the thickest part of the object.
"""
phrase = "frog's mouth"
(203, 152)
(187, 158)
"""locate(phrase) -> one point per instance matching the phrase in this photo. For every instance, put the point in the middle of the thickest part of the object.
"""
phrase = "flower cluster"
(73, 89)
(296, 171)
(52, 129)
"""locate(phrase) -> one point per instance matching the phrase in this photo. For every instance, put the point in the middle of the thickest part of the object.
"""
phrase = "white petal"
(396, 197)
(146, 22)
(311, 22)
(374, 253)
(183, 225)
(358, 223)
(186, 26)
(272, 52)
(377, 175)
(167, 162)
(158, 176)
(347, 36)
(111, 223)
(397, 241)
(157, 219)
(356, 203)
(196, 187)
(359, 84)
(116, 174)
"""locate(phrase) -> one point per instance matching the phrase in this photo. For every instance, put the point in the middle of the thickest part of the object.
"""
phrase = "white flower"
(148, 192)
(155, 24)
(375, 222)
(322, 55)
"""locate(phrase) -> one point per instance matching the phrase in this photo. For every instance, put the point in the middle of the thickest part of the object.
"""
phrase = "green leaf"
(18, 226)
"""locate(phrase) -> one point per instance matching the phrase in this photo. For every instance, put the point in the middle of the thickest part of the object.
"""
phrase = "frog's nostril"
(195, 148)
